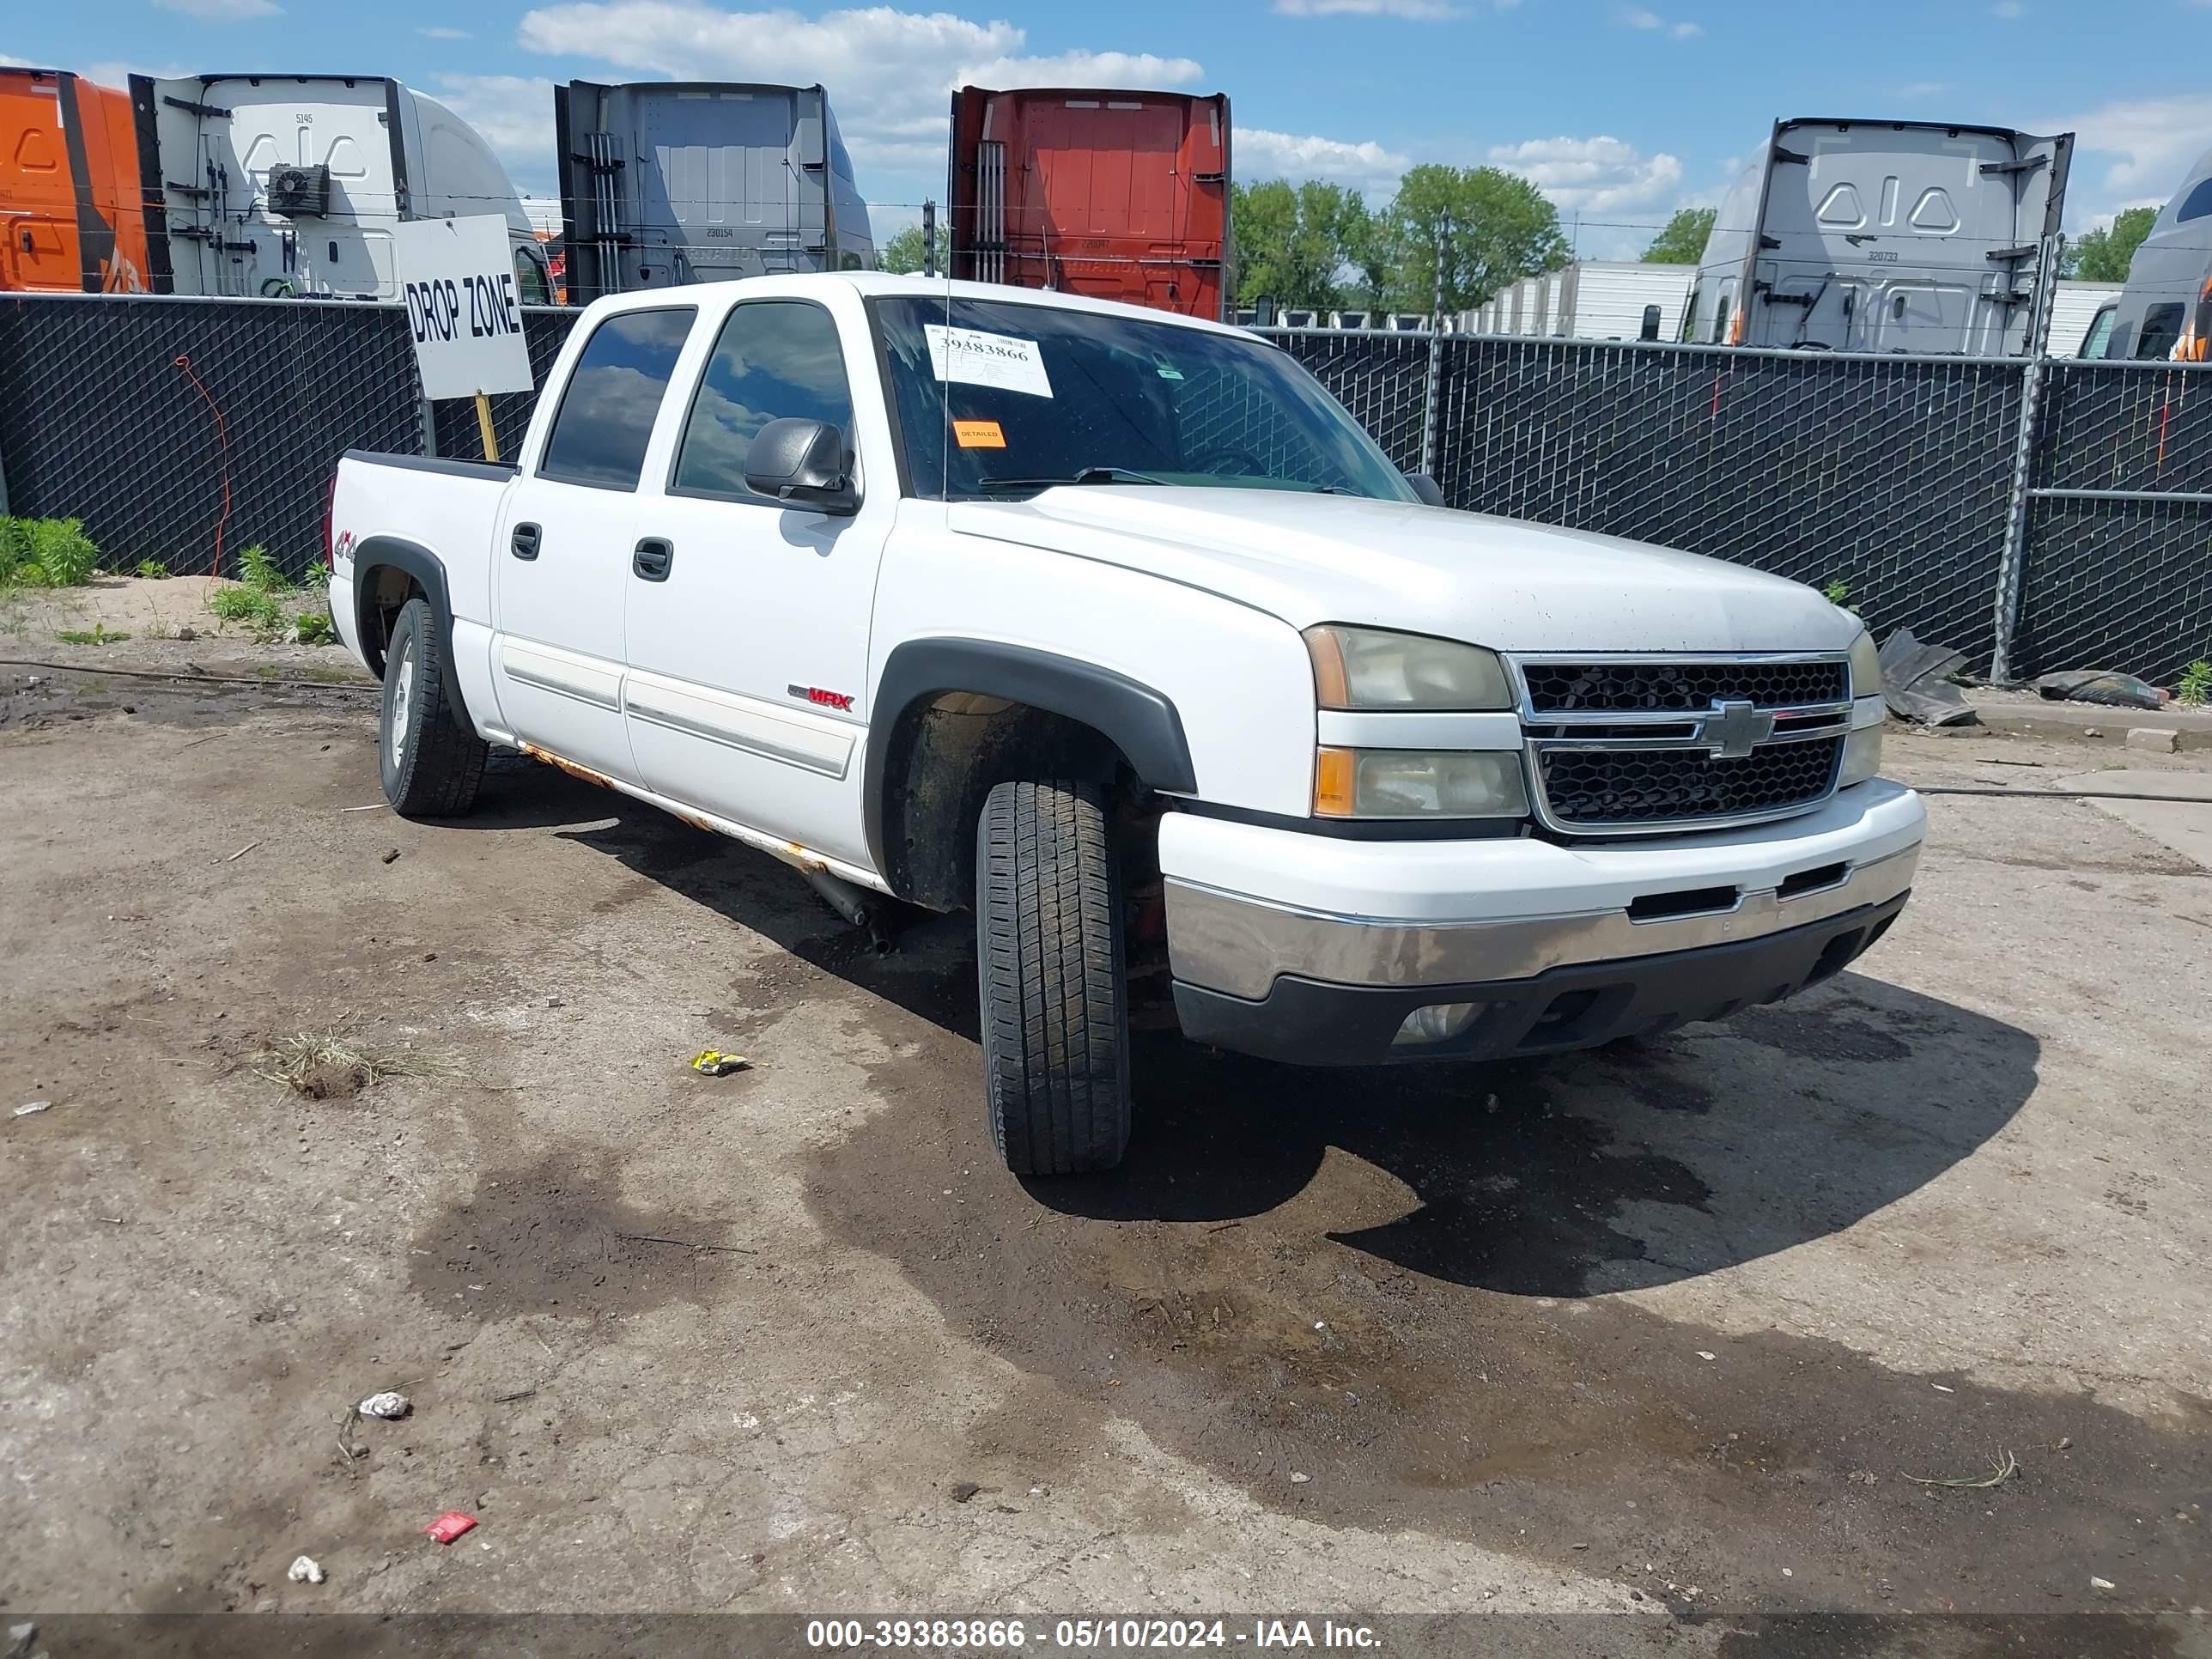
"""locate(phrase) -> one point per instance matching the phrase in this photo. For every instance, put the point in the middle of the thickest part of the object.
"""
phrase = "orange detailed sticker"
(978, 435)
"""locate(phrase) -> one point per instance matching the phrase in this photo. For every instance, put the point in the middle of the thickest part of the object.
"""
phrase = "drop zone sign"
(457, 277)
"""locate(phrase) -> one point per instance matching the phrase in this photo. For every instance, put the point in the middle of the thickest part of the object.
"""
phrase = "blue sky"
(1620, 113)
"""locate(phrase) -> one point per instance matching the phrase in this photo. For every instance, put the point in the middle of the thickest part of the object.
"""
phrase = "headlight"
(1862, 757)
(1866, 666)
(1416, 783)
(1367, 668)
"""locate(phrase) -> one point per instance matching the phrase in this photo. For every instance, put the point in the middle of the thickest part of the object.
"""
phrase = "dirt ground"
(1666, 1332)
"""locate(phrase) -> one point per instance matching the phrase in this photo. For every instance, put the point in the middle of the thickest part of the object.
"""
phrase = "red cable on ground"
(183, 365)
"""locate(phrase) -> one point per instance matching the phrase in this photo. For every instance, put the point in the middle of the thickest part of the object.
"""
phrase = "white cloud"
(1422, 11)
(1366, 165)
(1638, 17)
(1922, 88)
(117, 72)
(2009, 9)
(222, 11)
(2150, 141)
(1595, 177)
(888, 70)
(514, 115)
(441, 33)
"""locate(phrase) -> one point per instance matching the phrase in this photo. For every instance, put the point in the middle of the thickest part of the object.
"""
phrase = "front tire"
(431, 758)
(1054, 990)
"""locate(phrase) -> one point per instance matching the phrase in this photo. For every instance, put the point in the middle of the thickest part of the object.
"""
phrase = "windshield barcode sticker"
(968, 357)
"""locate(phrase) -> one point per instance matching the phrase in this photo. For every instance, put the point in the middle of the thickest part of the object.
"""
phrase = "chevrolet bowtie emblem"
(1733, 730)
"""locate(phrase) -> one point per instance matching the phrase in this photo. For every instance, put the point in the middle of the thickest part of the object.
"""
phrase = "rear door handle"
(525, 543)
(652, 558)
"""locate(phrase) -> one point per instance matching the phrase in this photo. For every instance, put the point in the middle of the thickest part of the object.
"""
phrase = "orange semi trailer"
(1116, 194)
(71, 193)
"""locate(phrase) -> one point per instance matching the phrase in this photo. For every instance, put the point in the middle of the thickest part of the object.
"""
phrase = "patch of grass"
(254, 607)
(321, 1064)
(152, 570)
(46, 553)
(2195, 686)
(96, 634)
(314, 627)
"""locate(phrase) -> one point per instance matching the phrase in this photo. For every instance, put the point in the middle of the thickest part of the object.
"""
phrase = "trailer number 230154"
(433, 307)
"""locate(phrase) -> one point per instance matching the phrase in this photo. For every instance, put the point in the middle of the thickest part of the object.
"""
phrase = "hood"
(1497, 582)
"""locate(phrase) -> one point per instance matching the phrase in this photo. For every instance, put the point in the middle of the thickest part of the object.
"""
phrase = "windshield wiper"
(1088, 475)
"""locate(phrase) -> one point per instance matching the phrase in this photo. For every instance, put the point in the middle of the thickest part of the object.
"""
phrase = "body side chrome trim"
(1237, 945)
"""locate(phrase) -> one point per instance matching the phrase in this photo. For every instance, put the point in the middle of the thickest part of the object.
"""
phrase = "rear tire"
(431, 758)
(1054, 990)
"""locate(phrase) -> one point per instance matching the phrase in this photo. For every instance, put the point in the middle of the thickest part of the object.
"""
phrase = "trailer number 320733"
(433, 307)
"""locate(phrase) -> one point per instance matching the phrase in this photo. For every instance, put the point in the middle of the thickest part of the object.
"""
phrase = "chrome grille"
(1616, 788)
(1640, 746)
(1616, 687)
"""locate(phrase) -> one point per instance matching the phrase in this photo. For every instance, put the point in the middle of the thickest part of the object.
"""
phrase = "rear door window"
(613, 398)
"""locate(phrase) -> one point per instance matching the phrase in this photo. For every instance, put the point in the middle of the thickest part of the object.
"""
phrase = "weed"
(152, 570)
(46, 553)
(2195, 688)
(96, 634)
(260, 572)
(314, 627)
(156, 629)
(1837, 592)
(255, 608)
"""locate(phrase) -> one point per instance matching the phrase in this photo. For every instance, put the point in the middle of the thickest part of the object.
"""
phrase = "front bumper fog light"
(1862, 757)
(1440, 1022)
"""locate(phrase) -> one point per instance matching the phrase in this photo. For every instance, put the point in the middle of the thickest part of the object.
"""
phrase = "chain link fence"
(174, 427)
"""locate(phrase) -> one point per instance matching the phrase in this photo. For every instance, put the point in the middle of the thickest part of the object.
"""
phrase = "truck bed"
(449, 509)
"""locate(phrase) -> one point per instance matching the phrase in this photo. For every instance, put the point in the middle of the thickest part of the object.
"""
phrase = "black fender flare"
(419, 562)
(1139, 721)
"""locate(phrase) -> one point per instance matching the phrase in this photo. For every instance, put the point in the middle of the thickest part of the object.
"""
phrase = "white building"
(1595, 300)
(2073, 307)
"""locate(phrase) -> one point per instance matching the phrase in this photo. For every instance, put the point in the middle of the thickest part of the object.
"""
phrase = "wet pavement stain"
(556, 1237)
(1387, 1281)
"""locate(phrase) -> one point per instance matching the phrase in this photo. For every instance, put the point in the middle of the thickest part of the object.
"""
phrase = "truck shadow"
(1568, 1176)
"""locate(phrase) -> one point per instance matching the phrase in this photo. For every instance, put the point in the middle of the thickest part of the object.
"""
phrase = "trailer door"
(719, 192)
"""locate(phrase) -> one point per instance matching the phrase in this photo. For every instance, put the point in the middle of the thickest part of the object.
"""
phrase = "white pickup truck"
(1117, 628)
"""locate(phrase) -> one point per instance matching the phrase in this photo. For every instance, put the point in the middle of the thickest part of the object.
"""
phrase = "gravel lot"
(1663, 1332)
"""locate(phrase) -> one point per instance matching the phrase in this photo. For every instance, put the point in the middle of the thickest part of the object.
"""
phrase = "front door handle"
(525, 541)
(652, 558)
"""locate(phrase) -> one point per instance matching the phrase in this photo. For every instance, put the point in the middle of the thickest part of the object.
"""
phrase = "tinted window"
(777, 360)
(2161, 331)
(529, 280)
(607, 412)
(2199, 204)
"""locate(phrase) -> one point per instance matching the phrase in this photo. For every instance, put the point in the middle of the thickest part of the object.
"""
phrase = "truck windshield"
(996, 398)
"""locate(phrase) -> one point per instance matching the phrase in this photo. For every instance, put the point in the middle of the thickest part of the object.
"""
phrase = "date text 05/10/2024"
(1085, 1635)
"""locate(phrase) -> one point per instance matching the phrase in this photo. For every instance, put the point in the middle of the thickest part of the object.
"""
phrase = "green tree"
(1494, 227)
(2103, 256)
(903, 253)
(1683, 241)
(1295, 243)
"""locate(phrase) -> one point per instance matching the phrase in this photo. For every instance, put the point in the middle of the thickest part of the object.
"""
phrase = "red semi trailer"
(1116, 194)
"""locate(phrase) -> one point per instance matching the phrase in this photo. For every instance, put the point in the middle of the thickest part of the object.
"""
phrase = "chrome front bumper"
(1240, 945)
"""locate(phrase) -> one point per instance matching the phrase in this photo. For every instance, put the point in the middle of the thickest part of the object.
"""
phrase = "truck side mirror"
(804, 462)
(1431, 492)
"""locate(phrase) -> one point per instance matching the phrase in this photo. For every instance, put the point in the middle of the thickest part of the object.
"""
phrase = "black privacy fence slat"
(1892, 477)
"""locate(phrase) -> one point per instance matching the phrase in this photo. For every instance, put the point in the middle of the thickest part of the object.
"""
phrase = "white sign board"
(457, 277)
